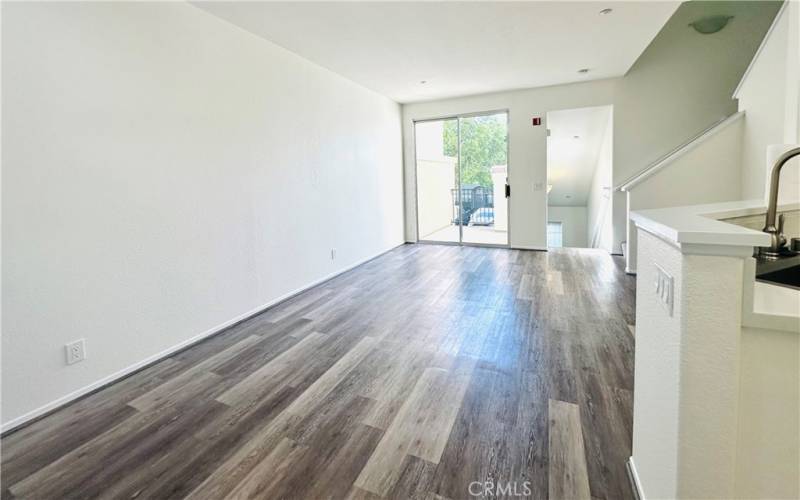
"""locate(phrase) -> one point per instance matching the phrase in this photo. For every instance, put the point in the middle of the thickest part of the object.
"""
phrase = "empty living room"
(430, 250)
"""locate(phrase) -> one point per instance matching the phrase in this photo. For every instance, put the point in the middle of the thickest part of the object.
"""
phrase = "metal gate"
(477, 205)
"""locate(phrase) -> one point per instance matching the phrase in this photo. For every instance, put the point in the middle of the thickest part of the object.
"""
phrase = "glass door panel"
(436, 143)
(483, 169)
(462, 176)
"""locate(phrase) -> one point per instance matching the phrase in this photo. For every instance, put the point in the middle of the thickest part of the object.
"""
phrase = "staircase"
(704, 169)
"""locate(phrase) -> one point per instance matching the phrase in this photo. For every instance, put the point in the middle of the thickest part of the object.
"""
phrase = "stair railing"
(685, 147)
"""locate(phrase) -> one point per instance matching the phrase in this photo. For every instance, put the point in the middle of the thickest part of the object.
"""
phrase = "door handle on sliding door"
(508, 191)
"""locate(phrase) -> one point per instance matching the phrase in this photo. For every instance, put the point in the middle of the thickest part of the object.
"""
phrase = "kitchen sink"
(784, 271)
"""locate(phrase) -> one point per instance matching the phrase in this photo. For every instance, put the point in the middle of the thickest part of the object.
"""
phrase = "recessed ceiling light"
(576, 137)
(423, 82)
(583, 70)
(605, 12)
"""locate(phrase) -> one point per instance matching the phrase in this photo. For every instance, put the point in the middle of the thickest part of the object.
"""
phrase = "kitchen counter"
(701, 224)
(714, 347)
(699, 229)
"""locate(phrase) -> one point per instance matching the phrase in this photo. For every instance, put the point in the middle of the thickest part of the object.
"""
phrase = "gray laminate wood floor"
(431, 372)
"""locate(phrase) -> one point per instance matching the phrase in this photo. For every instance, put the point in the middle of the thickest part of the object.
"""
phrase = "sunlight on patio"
(485, 235)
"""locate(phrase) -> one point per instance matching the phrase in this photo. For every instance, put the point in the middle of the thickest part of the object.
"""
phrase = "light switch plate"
(664, 288)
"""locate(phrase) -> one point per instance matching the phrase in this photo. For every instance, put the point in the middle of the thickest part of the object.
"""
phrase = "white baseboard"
(538, 249)
(636, 485)
(99, 384)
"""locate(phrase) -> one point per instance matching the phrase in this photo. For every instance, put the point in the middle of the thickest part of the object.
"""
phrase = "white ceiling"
(458, 48)
(571, 162)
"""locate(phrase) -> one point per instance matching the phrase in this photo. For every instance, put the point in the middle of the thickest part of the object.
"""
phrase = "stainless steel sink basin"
(784, 271)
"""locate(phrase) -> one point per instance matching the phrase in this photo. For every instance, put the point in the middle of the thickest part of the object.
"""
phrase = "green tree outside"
(483, 145)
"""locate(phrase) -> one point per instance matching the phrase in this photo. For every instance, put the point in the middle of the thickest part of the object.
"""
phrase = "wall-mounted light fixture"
(711, 24)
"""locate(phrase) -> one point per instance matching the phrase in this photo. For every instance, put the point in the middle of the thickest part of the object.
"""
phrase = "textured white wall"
(165, 172)
(686, 373)
(716, 405)
(711, 313)
(657, 372)
(527, 147)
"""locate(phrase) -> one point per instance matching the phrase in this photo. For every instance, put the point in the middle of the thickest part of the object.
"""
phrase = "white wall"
(708, 173)
(716, 402)
(575, 138)
(767, 458)
(527, 148)
(599, 229)
(656, 391)
(732, 164)
(573, 224)
(164, 173)
(769, 95)
(436, 180)
(436, 177)
(429, 137)
(686, 394)
(681, 84)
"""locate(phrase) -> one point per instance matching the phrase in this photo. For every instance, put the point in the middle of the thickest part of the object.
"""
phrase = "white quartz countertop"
(700, 224)
(767, 305)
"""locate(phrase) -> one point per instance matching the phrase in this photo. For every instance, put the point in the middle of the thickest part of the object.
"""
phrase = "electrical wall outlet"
(76, 351)
(663, 287)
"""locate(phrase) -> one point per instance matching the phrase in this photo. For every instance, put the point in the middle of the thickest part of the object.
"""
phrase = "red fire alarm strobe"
(536, 121)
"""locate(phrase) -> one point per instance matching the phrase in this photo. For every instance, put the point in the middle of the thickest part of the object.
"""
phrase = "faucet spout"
(777, 239)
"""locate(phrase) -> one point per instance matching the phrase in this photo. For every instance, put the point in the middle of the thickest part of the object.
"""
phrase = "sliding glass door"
(483, 148)
(437, 180)
(462, 176)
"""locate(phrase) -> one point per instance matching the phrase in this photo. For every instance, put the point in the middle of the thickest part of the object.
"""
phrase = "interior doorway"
(462, 179)
(579, 175)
